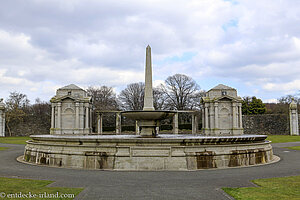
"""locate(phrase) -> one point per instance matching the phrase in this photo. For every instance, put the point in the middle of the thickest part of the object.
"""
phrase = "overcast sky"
(253, 46)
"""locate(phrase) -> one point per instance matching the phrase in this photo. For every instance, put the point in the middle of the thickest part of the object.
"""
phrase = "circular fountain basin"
(133, 152)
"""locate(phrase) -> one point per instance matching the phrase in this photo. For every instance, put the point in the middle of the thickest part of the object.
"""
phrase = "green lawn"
(283, 138)
(294, 148)
(14, 140)
(272, 188)
(273, 138)
(3, 148)
(12, 186)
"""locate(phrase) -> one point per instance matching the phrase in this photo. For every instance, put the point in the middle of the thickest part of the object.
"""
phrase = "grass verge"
(14, 187)
(283, 138)
(272, 188)
(14, 140)
(3, 148)
(294, 148)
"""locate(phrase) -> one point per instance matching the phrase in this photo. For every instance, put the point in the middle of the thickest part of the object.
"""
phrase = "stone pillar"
(240, 116)
(87, 116)
(206, 117)
(52, 116)
(203, 118)
(91, 117)
(216, 115)
(137, 128)
(118, 123)
(2, 118)
(59, 117)
(77, 115)
(99, 124)
(211, 116)
(193, 123)
(234, 116)
(196, 123)
(294, 127)
(175, 124)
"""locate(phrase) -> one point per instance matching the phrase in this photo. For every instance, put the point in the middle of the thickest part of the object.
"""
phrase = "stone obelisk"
(148, 97)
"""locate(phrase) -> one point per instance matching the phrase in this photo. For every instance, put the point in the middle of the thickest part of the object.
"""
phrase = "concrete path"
(203, 184)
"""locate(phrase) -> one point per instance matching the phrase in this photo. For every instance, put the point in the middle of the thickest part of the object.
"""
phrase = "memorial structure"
(148, 150)
(2, 118)
(71, 111)
(222, 112)
(294, 127)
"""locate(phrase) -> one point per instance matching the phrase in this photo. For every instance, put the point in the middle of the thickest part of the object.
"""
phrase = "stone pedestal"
(294, 128)
(2, 118)
(148, 128)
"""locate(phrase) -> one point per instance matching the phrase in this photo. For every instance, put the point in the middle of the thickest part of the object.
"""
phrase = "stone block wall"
(30, 125)
(276, 124)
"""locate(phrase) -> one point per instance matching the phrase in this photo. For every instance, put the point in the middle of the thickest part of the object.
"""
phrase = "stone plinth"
(148, 121)
(71, 111)
(131, 152)
(294, 128)
(2, 118)
(222, 112)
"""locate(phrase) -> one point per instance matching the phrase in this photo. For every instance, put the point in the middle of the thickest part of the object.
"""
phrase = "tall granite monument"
(222, 112)
(71, 111)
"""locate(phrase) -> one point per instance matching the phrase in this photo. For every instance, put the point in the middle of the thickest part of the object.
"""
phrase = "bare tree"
(288, 99)
(132, 97)
(182, 92)
(159, 98)
(104, 98)
(16, 107)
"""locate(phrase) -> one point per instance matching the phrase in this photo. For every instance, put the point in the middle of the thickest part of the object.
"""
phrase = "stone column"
(175, 124)
(2, 119)
(234, 116)
(77, 115)
(59, 117)
(52, 116)
(91, 117)
(294, 127)
(137, 128)
(216, 115)
(240, 116)
(193, 123)
(99, 124)
(87, 116)
(211, 116)
(206, 117)
(196, 123)
(203, 118)
(118, 123)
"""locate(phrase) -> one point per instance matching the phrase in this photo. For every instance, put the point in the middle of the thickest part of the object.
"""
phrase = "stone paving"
(203, 184)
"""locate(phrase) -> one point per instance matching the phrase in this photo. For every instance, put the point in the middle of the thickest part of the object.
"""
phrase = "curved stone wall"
(168, 152)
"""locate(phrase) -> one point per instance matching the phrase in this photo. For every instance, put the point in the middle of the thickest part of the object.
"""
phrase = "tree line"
(179, 92)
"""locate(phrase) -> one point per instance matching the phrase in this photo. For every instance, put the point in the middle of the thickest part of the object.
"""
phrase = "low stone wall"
(276, 124)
